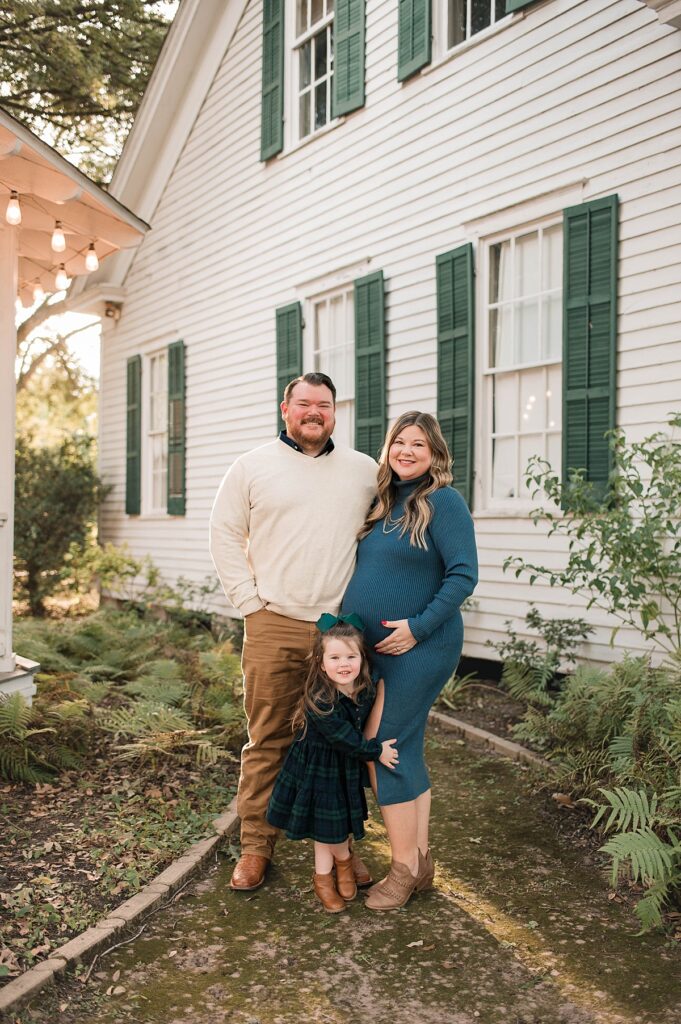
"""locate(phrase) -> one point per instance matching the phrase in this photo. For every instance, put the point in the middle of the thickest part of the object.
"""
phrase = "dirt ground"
(521, 928)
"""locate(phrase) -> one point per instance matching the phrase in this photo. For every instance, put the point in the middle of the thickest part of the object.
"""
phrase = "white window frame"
(292, 138)
(148, 508)
(516, 506)
(442, 49)
(311, 348)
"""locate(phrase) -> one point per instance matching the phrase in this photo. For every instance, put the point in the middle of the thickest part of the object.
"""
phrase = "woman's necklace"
(390, 524)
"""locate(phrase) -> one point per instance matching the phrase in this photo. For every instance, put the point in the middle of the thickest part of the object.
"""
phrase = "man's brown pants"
(273, 662)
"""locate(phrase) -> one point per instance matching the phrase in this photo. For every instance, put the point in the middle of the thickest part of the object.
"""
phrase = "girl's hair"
(418, 510)
(319, 693)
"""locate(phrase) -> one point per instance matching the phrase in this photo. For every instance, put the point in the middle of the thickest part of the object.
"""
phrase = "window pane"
(456, 30)
(505, 389)
(530, 445)
(554, 452)
(527, 331)
(552, 258)
(501, 327)
(320, 55)
(532, 401)
(304, 114)
(305, 64)
(317, 11)
(527, 265)
(503, 468)
(481, 14)
(301, 16)
(329, 6)
(500, 285)
(320, 105)
(499, 10)
(554, 398)
(552, 327)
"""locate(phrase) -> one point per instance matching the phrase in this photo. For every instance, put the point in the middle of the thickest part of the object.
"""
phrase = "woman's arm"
(451, 530)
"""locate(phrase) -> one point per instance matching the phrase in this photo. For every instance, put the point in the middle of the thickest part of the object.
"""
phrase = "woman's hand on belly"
(400, 640)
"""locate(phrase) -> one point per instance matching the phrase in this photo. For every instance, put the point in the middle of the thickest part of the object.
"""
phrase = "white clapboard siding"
(571, 94)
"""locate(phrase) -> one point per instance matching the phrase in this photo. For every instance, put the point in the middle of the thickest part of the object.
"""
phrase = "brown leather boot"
(327, 894)
(395, 889)
(361, 871)
(345, 878)
(424, 879)
(249, 872)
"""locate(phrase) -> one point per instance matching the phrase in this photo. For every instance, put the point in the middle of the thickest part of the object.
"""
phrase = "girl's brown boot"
(327, 894)
(424, 879)
(345, 878)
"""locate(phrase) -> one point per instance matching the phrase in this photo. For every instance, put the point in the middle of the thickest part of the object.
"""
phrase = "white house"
(54, 223)
(470, 207)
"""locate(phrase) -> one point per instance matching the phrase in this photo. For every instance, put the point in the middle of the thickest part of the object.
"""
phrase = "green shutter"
(370, 364)
(176, 430)
(455, 360)
(133, 446)
(413, 36)
(516, 5)
(589, 337)
(289, 349)
(272, 109)
(348, 56)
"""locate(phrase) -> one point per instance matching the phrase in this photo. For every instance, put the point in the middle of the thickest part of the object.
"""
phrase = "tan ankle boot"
(395, 889)
(424, 879)
(345, 878)
(327, 894)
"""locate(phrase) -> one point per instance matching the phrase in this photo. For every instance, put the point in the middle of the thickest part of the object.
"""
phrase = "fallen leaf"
(419, 942)
(563, 800)
(173, 952)
(476, 839)
(116, 975)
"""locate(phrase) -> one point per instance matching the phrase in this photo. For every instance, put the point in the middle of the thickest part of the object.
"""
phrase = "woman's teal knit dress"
(394, 580)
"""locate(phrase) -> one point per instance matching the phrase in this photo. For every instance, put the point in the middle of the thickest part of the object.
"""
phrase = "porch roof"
(51, 189)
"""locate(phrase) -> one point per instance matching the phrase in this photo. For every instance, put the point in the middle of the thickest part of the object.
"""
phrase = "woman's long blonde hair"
(319, 693)
(418, 510)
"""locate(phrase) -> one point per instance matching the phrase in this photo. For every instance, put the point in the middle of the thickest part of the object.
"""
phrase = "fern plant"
(644, 843)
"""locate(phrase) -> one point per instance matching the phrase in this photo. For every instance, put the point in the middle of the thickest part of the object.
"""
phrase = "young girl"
(319, 792)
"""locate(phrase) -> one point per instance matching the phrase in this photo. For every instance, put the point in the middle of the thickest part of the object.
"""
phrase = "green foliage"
(457, 688)
(57, 494)
(615, 736)
(624, 554)
(150, 690)
(77, 70)
(530, 668)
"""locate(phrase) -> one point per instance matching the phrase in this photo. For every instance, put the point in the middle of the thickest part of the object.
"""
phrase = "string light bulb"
(38, 292)
(91, 259)
(62, 280)
(13, 211)
(58, 239)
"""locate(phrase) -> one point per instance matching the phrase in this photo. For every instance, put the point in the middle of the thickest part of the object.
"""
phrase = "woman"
(416, 563)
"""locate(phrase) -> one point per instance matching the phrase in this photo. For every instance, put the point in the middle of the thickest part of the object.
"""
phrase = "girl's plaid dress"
(319, 792)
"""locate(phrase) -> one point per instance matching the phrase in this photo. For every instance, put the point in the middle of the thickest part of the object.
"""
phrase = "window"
(155, 459)
(465, 18)
(522, 314)
(313, 64)
(332, 351)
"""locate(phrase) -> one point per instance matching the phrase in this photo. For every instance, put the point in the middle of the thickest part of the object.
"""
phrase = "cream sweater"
(283, 530)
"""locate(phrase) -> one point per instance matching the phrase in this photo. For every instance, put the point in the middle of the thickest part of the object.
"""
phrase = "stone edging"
(481, 738)
(99, 937)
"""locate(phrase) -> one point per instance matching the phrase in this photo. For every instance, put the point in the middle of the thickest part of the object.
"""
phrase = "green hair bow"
(327, 620)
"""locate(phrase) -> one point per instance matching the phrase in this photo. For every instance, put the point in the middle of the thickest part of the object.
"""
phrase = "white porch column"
(8, 343)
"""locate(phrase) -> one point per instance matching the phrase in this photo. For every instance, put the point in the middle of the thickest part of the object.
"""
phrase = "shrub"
(57, 494)
(531, 668)
(624, 553)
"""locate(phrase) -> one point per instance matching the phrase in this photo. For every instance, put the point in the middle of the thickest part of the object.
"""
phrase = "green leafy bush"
(57, 495)
(531, 668)
(624, 552)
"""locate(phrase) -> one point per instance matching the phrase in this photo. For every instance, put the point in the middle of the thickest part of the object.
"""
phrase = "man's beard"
(304, 440)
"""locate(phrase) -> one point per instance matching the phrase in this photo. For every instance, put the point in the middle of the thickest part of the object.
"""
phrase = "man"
(283, 536)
